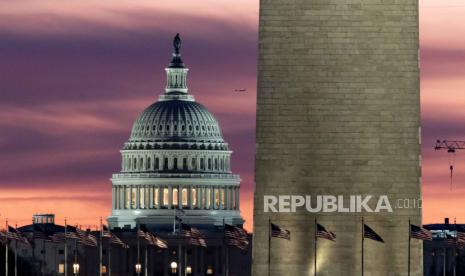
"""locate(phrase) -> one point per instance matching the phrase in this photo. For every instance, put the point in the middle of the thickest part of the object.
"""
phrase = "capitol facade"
(175, 159)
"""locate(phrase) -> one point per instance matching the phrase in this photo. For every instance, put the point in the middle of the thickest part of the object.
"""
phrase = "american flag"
(86, 238)
(113, 239)
(193, 235)
(15, 234)
(460, 234)
(278, 232)
(417, 232)
(153, 239)
(236, 236)
(321, 232)
(371, 234)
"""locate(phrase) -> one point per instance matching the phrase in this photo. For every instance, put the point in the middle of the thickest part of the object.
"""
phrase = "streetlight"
(138, 268)
(174, 267)
(76, 268)
(188, 270)
(210, 270)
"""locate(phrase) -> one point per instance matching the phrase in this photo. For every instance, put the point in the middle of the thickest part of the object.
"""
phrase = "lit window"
(133, 198)
(207, 198)
(127, 201)
(175, 196)
(147, 197)
(184, 197)
(61, 268)
(142, 198)
(155, 197)
(194, 197)
(223, 196)
(166, 197)
(217, 198)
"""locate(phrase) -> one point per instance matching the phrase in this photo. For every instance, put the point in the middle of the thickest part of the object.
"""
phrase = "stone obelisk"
(338, 113)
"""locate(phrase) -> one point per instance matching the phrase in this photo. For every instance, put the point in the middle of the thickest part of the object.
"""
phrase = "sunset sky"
(75, 74)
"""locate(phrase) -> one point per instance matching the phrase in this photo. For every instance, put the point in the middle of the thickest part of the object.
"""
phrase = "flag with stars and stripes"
(15, 234)
(86, 238)
(236, 236)
(321, 232)
(420, 233)
(152, 239)
(371, 234)
(278, 232)
(460, 234)
(193, 235)
(112, 238)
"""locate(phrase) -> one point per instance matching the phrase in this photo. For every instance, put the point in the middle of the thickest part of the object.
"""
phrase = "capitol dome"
(175, 158)
(176, 123)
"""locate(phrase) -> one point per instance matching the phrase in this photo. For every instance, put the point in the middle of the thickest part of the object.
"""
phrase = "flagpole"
(6, 248)
(101, 248)
(179, 258)
(146, 262)
(138, 244)
(42, 266)
(444, 265)
(66, 248)
(16, 252)
(409, 240)
(269, 246)
(363, 241)
(109, 258)
(75, 254)
(314, 253)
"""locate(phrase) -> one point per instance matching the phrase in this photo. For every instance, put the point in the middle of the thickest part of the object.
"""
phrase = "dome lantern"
(176, 73)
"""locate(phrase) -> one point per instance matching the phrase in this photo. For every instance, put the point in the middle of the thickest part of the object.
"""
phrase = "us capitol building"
(175, 158)
(175, 168)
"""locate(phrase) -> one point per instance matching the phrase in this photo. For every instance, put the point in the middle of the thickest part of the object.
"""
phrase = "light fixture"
(76, 268)
(174, 267)
(138, 268)
(210, 270)
(189, 270)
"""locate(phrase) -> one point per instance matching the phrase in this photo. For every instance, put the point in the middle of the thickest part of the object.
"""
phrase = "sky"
(74, 75)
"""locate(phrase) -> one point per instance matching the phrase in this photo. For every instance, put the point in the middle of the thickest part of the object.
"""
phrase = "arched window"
(184, 197)
(209, 164)
(141, 164)
(157, 164)
(223, 198)
(184, 163)
(217, 199)
(222, 164)
(194, 164)
(194, 197)
(202, 164)
(165, 164)
(142, 198)
(134, 164)
(166, 197)
(127, 199)
(175, 197)
(216, 164)
(149, 163)
(155, 197)
(175, 163)
(133, 198)
(207, 198)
